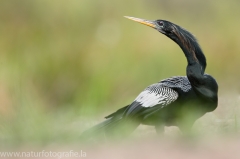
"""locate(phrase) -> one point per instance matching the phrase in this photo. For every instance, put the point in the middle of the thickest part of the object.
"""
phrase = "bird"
(175, 101)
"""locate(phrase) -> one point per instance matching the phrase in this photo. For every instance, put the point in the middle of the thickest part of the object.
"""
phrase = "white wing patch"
(156, 94)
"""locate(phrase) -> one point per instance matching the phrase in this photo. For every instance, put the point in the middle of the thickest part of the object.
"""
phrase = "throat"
(194, 55)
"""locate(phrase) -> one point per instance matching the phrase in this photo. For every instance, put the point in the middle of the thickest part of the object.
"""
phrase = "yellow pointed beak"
(143, 21)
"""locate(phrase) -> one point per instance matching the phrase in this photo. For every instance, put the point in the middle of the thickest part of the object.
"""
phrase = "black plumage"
(171, 100)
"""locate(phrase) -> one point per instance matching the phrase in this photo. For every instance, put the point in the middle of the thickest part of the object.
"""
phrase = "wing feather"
(159, 95)
(156, 94)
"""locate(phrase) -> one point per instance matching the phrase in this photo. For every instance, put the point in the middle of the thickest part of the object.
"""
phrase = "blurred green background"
(64, 64)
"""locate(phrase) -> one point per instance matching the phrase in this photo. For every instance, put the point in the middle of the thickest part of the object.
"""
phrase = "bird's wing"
(155, 95)
(177, 82)
(159, 95)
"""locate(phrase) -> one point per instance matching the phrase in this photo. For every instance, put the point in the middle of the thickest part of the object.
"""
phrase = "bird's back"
(187, 102)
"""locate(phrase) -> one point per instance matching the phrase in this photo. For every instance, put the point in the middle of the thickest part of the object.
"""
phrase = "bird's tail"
(110, 128)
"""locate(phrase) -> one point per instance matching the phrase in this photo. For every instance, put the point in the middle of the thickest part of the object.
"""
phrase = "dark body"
(189, 106)
(174, 113)
(178, 100)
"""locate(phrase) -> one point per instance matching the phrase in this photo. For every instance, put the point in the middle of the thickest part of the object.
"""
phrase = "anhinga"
(171, 100)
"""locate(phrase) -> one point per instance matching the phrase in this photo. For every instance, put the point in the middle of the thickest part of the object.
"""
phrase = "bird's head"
(182, 37)
(173, 31)
(162, 26)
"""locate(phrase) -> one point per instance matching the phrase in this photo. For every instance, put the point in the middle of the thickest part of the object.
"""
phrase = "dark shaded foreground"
(166, 149)
(181, 148)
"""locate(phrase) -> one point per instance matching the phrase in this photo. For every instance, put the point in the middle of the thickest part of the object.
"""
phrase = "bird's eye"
(161, 24)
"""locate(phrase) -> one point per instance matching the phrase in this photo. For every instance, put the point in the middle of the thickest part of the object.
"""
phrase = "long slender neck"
(205, 86)
(194, 55)
(190, 47)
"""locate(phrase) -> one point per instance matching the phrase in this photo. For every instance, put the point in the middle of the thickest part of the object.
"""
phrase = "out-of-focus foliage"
(61, 61)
